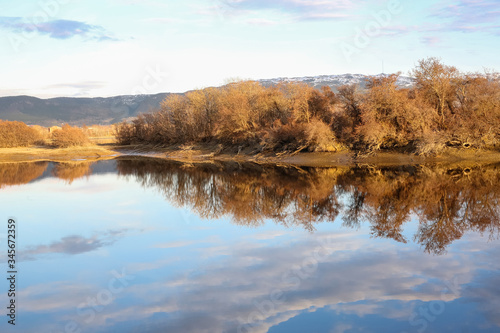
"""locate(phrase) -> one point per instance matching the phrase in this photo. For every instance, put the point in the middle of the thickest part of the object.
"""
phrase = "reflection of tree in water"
(69, 171)
(21, 172)
(447, 203)
(248, 193)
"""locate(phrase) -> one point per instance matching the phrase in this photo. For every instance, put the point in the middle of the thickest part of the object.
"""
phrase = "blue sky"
(93, 48)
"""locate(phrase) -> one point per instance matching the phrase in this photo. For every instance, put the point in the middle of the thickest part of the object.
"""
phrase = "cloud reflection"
(74, 244)
(359, 278)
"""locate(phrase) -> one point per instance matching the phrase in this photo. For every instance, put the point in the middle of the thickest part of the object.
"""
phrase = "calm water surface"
(142, 245)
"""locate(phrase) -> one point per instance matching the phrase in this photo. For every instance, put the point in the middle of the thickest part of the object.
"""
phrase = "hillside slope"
(108, 110)
(76, 111)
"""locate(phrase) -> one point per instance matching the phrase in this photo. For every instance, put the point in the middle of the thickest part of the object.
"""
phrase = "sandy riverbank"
(193, 154)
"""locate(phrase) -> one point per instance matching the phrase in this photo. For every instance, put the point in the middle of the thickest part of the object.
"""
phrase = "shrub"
(17, 134)
(69, 136)
(124, 133)
(386, 112)
(319, 137)
(285, 137)
(42, 131)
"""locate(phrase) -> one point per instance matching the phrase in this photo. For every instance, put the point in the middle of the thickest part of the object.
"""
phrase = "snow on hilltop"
(335, 80)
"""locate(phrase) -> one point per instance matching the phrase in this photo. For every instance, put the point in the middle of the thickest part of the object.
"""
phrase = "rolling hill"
(108, 110)
(76, 111)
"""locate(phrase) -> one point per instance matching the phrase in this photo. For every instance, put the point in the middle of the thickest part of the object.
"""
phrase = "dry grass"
(56, 154)
(103, 140)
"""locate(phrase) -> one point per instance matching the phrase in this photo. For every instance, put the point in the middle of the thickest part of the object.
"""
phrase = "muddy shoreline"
(199, 154)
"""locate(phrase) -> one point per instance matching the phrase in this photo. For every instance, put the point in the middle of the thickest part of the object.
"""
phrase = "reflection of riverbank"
(447, 202)
(20, 173)
(220, 276)
(213, 152)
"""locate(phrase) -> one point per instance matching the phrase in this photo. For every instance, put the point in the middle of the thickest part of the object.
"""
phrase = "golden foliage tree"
(436, 81)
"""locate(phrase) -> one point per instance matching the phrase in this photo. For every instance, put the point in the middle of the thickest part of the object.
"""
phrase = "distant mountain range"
(76, 111)
(334, 81)
(108, 110)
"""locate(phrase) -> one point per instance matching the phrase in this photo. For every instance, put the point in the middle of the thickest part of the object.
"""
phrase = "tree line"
(18, 134)
(444, 108)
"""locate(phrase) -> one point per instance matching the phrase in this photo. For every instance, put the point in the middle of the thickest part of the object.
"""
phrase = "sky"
(90, 48)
